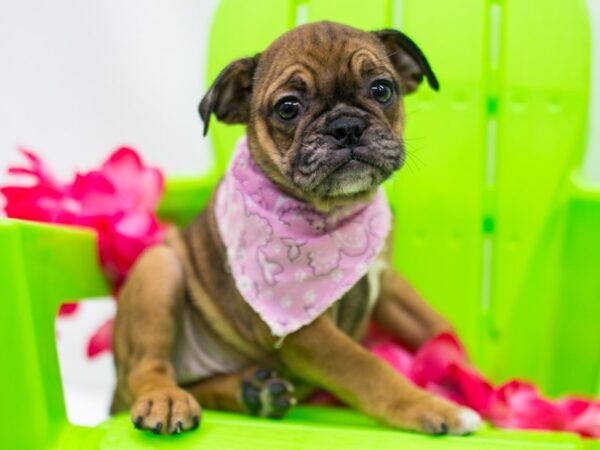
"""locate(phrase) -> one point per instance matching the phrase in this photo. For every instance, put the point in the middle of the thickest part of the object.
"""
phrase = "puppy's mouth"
(351, 176)
(356, 171)
(356, 163)
(327, 166)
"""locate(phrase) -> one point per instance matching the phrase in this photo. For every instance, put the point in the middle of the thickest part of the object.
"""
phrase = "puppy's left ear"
(229, 96)
(408, 59)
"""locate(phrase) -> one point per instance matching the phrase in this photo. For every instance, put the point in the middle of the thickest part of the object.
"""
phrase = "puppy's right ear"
(408, 59)
(229, 96)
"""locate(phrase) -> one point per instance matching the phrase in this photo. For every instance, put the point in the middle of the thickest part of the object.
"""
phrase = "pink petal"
(582, 416)
(68, 309)
(123, 159)
(323, 398)
(40, 203)
(433, 359)
(517, 404)
(101, 340)
(467, 387)
(122, 238)
(396, 356)
(37, 169)
(96, 194)
(136, 224)
(140, 185)
(441, 365)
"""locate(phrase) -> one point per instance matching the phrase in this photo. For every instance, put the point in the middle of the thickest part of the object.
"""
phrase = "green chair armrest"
(184, 198)
(576, 333)
(41, 266)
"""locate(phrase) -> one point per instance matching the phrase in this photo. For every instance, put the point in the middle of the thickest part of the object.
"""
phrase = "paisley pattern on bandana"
(289, 261)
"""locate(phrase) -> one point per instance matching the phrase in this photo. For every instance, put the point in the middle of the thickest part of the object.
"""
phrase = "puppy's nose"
(346, 130)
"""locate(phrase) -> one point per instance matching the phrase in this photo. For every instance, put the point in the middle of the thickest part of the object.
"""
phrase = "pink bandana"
(289, 261)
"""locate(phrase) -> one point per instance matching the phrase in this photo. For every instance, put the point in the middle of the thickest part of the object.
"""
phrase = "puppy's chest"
(352, 311)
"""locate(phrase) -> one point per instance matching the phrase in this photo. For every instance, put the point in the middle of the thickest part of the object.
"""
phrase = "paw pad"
(266, 395)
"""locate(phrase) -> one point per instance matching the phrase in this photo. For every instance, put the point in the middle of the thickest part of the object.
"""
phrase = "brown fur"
(324, 63)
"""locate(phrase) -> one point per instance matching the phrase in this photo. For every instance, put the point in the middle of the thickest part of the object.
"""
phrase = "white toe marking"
(470, 421)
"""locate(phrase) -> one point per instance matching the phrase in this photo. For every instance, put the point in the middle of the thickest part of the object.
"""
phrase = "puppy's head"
(324, 110)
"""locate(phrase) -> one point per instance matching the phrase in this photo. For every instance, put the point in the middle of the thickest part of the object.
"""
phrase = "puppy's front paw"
(434, 415)
(264, 394)
(166, 411)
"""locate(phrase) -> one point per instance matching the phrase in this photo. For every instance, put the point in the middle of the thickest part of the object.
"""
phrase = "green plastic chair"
(496, 226)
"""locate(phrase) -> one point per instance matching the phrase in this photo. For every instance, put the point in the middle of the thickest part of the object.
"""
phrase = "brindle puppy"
(324, 114)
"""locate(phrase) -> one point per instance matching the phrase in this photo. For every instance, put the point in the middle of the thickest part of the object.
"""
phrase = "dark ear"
(408, 59)
(229, 95)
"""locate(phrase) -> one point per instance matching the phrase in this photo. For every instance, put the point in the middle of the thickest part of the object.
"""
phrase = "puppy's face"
(324, 108)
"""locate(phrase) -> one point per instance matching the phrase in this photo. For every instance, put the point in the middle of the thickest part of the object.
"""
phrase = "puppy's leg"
(256, 391)
(404, 313)
(367, 383)
(148, 306)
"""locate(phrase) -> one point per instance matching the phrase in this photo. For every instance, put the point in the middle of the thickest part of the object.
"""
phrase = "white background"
(79, 78)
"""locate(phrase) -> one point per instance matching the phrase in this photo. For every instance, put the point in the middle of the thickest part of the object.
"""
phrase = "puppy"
(262, 299)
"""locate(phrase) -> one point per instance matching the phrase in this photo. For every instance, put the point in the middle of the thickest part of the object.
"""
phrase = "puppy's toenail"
(157, 428)
(443, 428)
(195, 422)
(138, 422)
(178, 427)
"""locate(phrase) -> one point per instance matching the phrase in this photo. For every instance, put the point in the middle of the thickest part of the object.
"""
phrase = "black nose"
(346, 130)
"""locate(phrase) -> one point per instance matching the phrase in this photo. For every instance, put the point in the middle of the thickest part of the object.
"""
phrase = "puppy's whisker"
(411, 158)
(409, 166)
(389, 54)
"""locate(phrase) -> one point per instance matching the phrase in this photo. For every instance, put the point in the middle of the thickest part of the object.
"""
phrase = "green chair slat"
(575, 343)
(371, 15)
(240, 29)
(438, 196)
(542, 112)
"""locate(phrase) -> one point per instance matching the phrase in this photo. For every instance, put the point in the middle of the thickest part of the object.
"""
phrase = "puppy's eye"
(382, 91)
(288, 108)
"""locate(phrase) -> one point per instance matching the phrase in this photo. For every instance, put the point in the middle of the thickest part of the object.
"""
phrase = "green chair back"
(487, 211)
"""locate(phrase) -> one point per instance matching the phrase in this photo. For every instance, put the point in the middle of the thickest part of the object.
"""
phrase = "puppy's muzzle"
(347, 131)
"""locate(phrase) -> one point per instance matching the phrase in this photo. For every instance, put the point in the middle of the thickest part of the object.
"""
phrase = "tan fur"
(190, 271)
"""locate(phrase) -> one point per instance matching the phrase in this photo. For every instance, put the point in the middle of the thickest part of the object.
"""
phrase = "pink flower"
(434, 358)
(396, 356)
(441, 366)
(517, 404)
(123, 184)
(582, 416)
(118, 201)
(101, 340)
(68, 309)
